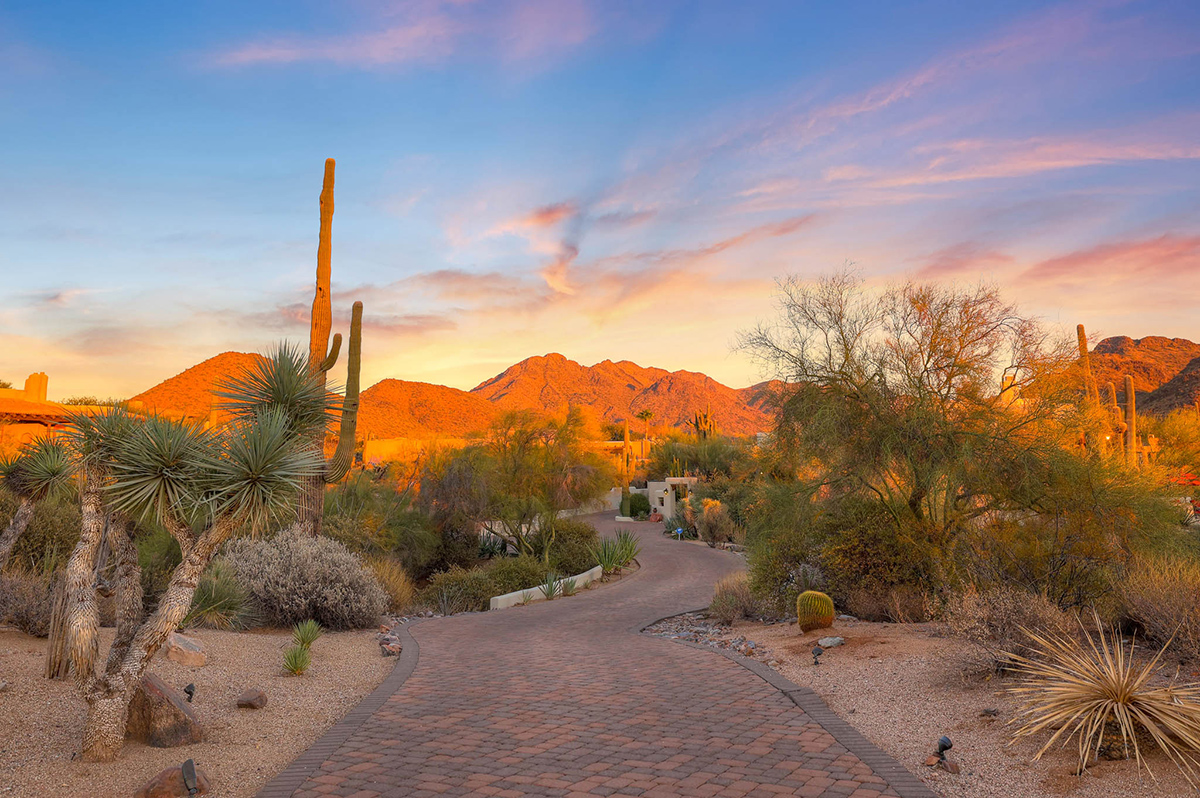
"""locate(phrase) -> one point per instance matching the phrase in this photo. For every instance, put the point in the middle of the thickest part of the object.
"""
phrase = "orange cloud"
(961, 259)
(1167, 256)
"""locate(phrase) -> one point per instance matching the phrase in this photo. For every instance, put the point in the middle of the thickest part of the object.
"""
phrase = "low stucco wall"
(518, 596)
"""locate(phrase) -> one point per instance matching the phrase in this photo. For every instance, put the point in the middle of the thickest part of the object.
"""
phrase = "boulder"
(389, 646)
(252, 698)
(830, 642)
(160, 715)
(186, 650)
(169, 784)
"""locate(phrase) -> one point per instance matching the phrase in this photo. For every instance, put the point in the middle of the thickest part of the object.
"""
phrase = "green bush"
(639, 504)
(220, 600)
(507, 574)
(27, 600)
(459, 590)
(46, 544)
(571, 550)
(372, 516)
(158, 554)
(294, 577)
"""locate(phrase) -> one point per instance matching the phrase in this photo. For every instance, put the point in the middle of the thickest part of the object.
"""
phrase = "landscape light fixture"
(817, 652)
(189, 777)
(190, 690)
(943, 745)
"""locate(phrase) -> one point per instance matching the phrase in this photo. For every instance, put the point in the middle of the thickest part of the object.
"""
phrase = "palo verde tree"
(202, 486)
(38, 471)
(913, 409)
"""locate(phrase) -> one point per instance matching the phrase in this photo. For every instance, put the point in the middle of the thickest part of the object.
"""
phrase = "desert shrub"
(459, 590)
(221, 601)
(294, 577)
(373, 515)
(27, 600)
(1162, 595)
(680, 525)
(571, 546)
(47, 542)
(158, 554)
(714, 523)
(733, 599)
(394, 580)
(999, 621)
(507, 574)
(639, 504)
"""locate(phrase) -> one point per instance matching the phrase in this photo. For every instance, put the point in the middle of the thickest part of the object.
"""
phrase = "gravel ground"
(903, 686)
(42, 721)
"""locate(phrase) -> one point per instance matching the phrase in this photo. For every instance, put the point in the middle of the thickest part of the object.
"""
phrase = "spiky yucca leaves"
(1077, 689)
(305, 633)
(550, 588)
(280, 381)
(39, 470)
(296, 660)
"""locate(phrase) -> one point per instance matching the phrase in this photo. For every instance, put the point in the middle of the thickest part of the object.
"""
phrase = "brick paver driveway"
(564, 698)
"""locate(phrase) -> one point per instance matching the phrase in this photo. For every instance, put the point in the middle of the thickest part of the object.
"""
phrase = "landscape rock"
(252, 698)
(389, 646)
(830, 642)
(3, 686)
(844, 617)
(169, 784)
(186, 650)
(159, 715)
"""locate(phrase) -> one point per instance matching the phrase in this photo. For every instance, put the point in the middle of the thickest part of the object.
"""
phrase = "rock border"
(898, 777)
(288, 780)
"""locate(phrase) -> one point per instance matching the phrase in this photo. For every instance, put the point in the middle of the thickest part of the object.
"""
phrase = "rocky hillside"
(1182, 390)
(190, 393)
(401, 409)
(616, 391)
(1151, 361)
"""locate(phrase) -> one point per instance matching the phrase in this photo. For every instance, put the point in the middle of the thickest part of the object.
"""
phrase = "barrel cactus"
(814, 610)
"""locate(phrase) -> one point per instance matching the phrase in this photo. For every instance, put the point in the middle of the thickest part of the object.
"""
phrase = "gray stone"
(186, 650)
(159, 715)
(830, 642)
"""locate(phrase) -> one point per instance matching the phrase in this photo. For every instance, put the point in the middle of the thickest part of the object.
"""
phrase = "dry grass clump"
(714, 523)
(1003, 620)
(1085, 691)
(26, 600)
(395, 581)
(733, 599)
(1162, 594)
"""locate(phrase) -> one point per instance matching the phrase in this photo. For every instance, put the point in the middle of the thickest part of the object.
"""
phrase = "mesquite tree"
(40, 469)
(203, 486)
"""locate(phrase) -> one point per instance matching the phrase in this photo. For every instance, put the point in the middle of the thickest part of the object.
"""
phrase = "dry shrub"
(898, 604)
(400, 590)
(26, 601)
(1162, 594)
(1003, 620)
(1087, 690)
(733, 600)
(714, 524)
(294, 577)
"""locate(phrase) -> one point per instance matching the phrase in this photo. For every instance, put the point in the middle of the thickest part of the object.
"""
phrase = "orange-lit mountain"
(1182, 390)
(401, 409)
(616, 391)
(190, 393)
(1151, 361)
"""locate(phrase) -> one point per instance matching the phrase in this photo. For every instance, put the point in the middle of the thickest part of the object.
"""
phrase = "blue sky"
(603, 179)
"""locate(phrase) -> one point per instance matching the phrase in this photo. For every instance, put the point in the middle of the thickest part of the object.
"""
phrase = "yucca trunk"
(83, 615)
(16, 527)
(104, 729)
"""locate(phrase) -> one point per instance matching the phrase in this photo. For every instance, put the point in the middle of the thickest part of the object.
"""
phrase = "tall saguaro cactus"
(321, 358)
(1131, 436)
(1089, 382)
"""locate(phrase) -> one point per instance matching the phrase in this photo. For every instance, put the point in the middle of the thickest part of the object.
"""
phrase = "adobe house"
(25, 413)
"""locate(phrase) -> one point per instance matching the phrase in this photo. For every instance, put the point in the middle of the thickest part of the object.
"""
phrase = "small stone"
(252, 698)
(4, 686)
(933, 760)
(948, 766)
(169, 784)
(990, 712)
(186, 650)
(390, 646)
(830, 642)
(847, 618)
(160, 716)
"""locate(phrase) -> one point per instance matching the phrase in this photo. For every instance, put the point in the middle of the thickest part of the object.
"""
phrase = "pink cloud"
(1168, 257)
(963, 259)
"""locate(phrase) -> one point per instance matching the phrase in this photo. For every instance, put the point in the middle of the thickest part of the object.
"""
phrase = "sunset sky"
(601, 179)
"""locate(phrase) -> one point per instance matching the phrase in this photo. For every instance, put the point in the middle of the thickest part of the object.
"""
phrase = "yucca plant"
(628, 546)
(37, 472)
(526, 597)
(608, 555)
(220, 601)
(296, 660)
(1082, 691)
(306, 633)
(551, 587)
(568, 586)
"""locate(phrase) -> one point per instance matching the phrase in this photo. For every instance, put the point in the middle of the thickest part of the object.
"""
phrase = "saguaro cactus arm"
(343, 457)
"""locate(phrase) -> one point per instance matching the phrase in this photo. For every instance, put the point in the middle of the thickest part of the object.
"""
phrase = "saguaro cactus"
(321, 358)
(1131, 438)
(1118, 418)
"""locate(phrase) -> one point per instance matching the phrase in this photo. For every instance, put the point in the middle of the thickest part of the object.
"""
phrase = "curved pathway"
(565, 698)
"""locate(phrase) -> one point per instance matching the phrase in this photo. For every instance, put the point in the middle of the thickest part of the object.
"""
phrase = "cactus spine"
(1131, 438)
(814, 610)
(321, 358)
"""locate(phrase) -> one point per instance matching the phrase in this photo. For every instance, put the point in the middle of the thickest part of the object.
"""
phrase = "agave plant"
(526, 597)
(38, 471)
(628, 547)
(568, 586)
(607, 555)
(1082, 690)
(305, 633)
(550, 588)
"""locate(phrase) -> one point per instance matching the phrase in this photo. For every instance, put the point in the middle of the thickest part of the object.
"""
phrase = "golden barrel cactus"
(814, 610)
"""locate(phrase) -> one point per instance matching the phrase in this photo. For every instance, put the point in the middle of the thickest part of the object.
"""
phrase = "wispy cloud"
(1166, 257)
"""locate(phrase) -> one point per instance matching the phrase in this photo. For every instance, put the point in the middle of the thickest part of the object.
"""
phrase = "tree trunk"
(83, 615)
(58, 666)
(104, 729)
(128, 578)
(16, 527)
